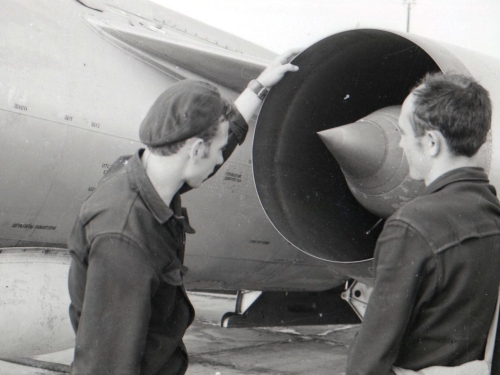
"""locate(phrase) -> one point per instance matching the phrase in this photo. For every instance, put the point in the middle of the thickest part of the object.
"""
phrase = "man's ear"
(197, 150)
(434, 142)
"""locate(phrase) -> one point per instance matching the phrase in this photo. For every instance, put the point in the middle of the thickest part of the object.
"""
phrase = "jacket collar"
(140, 182)
(456, 175)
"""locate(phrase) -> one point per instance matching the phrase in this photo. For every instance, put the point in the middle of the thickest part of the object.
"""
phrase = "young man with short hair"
(129, 308)
(437, 258)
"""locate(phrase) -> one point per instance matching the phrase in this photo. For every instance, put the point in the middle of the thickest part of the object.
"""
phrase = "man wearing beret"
(129, 308)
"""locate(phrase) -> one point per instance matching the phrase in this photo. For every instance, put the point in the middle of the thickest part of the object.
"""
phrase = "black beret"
(184, 110)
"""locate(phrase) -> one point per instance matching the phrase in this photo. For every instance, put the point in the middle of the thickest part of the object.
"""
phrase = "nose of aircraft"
(369, 155)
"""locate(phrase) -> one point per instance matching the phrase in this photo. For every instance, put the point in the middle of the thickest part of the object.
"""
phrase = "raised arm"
(249, 102)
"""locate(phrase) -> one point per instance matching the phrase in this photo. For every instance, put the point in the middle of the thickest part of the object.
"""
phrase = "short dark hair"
(456, 105)
(206, 135)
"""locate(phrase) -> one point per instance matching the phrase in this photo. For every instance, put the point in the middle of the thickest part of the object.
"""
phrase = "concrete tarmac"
(312, 350)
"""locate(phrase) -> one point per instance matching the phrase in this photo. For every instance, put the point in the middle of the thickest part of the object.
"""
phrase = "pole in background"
(409, 4)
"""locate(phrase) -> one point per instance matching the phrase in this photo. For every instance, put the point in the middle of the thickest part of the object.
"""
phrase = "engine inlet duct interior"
(302, 187)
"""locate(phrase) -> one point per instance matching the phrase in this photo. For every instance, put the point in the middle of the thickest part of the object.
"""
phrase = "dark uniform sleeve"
(238, 129)
(113, 325)
(402, 257)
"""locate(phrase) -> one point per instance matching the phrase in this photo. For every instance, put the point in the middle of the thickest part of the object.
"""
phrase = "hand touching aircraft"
(294, 214)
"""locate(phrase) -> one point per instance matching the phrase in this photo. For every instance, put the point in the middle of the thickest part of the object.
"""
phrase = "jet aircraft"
(291, 216)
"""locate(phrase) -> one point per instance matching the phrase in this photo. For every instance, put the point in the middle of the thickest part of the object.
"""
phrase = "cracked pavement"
(312, 350)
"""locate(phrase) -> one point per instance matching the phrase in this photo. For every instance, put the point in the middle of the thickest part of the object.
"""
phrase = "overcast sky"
(282, 24)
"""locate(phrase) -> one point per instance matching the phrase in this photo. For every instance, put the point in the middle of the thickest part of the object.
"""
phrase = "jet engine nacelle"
(326, 206)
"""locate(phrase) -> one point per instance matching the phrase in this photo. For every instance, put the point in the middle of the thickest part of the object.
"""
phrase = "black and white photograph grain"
(249, 187)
